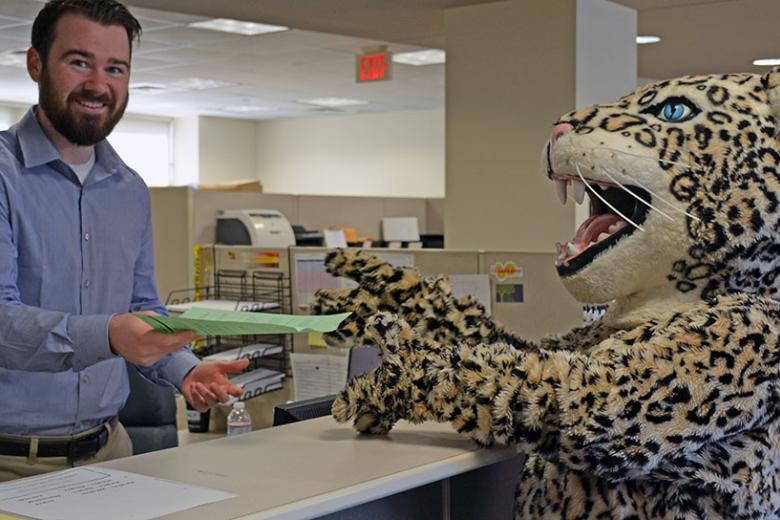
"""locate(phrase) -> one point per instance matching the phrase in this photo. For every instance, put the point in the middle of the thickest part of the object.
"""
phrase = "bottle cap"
(238, 405)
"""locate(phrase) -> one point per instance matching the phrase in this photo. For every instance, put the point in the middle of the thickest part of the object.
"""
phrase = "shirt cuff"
(175, 366)
(89, 337)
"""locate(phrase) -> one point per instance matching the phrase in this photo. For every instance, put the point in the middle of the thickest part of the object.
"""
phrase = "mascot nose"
(560, 129)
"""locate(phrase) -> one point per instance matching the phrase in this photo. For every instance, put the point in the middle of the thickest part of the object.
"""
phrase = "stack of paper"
(256, 382)
(210, 322)
(97, 493)
(254, 351)
(223, 305)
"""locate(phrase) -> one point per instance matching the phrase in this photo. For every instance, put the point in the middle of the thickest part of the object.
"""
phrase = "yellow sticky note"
(315, 340)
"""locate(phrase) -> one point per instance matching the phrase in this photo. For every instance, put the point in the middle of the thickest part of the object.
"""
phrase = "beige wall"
(375, 155)
(505, 88)
(227, 149)
(172, 228)
(383, 155)
(186, 153)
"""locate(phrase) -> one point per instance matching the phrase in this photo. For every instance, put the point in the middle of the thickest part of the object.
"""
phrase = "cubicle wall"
(522, 290)
(174, 238)
(183, 217)
(544, 305)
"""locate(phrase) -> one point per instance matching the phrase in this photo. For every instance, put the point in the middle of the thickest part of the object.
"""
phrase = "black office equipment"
(301, 410)
(307, 238)
(361, 360)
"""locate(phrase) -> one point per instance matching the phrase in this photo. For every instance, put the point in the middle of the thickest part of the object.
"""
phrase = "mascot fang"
(668, 407)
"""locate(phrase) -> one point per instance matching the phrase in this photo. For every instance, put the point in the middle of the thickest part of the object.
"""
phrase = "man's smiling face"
(83, 86)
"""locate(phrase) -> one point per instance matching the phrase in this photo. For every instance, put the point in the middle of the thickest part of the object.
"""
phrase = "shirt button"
(85, 379)
(86, 236)
(87, 284)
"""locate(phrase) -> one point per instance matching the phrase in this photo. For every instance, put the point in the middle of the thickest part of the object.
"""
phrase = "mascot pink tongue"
(592, 228)
(668, 407)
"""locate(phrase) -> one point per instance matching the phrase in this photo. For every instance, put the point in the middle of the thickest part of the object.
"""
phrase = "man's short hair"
(104, 12)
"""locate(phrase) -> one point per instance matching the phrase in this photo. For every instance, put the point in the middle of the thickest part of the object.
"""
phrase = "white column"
(606, 57)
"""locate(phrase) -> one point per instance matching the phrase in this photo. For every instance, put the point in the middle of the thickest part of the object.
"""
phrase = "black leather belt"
(76, 449)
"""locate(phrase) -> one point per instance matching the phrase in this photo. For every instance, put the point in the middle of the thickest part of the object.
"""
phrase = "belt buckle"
(81, 449)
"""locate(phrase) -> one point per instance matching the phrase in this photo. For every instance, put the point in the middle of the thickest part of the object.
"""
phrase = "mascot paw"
(385, 329)
(374, 405)
(331, 301)
(343, 408)
(377, 400)
(351, 263)
(358, 302)
(373, 424)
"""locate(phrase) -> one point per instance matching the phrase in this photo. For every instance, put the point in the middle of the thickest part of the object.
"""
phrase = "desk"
(317, 468)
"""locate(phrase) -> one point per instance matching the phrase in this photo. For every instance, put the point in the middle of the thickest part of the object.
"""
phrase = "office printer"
(254, 227)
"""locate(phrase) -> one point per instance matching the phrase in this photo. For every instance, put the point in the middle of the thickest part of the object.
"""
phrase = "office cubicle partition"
(522, 290)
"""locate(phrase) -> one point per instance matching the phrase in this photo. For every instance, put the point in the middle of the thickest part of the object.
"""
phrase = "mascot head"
(683, 182)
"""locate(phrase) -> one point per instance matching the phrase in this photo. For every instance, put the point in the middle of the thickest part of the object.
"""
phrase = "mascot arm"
(640, 404)
(425, 303)
(577, 339)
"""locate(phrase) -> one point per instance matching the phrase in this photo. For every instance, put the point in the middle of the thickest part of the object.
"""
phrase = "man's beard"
(79, 129)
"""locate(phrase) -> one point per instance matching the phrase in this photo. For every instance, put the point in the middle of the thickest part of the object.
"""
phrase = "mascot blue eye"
(674, 110)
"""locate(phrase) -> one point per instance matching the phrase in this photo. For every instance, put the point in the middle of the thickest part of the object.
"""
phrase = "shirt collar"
(37, 149)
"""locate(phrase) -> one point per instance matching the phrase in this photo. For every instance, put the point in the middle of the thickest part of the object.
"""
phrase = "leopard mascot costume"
(668, 407)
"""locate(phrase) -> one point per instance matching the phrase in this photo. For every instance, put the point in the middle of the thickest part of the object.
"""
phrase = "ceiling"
(706, 36)
(273, 72)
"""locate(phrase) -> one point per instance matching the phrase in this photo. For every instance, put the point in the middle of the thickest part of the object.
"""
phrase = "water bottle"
(238, 420)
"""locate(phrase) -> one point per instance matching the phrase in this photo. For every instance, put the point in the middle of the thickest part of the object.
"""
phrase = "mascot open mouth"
(615, 213)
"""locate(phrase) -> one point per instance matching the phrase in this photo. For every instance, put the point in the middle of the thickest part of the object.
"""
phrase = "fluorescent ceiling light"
(332, 102)
(244, 109)
(151, 88)
(647, 39)
(767, 62)
(426, 57)
(16, 58)
(238, 27)
(199, 84)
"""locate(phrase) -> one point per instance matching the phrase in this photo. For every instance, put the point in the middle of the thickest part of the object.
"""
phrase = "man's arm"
(203, 384)
(171, 369)
(36, 339)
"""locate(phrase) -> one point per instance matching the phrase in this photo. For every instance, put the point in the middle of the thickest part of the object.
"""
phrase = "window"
(8, 117)
(146, 146)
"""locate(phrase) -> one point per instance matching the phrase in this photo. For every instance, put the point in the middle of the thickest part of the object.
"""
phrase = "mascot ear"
(771, 82)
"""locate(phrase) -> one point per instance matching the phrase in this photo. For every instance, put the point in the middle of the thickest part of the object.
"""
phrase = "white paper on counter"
(97, 493)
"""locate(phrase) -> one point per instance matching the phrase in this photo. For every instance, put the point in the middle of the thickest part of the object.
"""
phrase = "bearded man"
(76, 256)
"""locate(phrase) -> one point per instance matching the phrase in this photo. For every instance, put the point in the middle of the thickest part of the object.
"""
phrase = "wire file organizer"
(246, 291)
(269, 354)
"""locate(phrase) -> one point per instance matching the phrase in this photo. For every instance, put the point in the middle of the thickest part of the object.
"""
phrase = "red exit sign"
(374, 66)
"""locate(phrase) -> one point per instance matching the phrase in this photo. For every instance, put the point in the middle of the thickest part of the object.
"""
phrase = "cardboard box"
(248, 185)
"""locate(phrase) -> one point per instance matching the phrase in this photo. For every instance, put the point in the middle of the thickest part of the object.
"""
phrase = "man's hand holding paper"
(139, 343)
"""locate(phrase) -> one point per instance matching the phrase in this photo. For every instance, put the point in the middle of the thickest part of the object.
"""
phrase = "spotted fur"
(666, 409)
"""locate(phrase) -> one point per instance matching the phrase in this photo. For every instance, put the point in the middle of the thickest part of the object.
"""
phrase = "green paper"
(209, 322)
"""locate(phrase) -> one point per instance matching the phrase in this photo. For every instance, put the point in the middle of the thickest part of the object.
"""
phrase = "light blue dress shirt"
(71, 256)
